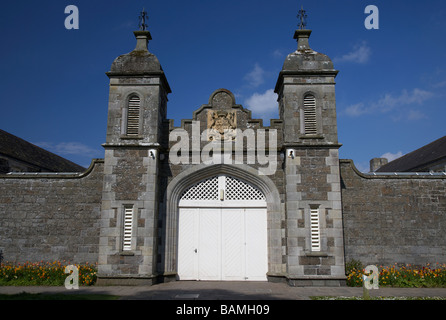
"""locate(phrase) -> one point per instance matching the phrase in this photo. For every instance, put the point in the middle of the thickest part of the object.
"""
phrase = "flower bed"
(53, 274)
(44, 274)
(401, 276)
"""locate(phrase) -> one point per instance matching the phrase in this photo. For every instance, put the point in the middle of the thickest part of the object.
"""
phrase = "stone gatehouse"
(223, 197)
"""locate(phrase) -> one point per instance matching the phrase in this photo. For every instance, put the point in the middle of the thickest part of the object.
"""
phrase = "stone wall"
(51, 216)
(393, 218)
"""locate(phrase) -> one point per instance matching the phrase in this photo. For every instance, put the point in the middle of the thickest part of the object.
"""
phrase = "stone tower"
(136, 111)
(307, 107)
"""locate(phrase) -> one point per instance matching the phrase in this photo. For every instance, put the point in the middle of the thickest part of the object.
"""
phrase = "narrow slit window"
(310, 114)
(128, 229)
(315, 230)
(133, 116)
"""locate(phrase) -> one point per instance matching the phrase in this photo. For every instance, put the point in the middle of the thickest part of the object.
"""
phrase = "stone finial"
(302, 37)
(142, 40)
(139, 60)
(302, 34)
(142, 35)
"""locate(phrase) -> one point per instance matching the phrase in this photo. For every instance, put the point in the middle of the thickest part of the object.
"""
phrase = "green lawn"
(376, 298)
(57, 296)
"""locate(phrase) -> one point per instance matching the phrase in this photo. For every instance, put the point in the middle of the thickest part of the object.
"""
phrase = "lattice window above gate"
(240, 190)
(204, 190)
(221, 189)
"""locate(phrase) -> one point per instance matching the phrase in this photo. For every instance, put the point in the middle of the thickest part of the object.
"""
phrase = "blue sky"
(390, 87)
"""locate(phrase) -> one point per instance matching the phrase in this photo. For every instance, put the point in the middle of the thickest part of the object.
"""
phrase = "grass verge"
(56, 296)
(375, 298)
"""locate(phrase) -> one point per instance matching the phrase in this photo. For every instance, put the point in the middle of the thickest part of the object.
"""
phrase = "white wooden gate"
(222, 231)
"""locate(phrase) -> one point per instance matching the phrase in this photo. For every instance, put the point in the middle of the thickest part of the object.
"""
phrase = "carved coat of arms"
(222, 125)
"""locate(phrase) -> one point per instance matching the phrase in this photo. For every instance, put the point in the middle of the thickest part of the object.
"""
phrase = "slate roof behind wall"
(417, 160)
(19, 149)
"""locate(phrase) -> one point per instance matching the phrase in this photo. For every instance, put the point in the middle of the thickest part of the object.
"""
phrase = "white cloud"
(278, 54)
(416, 115)
(417, 96)
(392, 156)
(256, 77)
(360, 54)
(263, 104)
(394, 103)
(441, 84)
(356, 110)
(68, 148)
(411, 115)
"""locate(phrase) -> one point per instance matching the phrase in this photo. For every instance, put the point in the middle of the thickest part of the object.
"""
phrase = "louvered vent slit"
(128, 226)
(315, 230)
(133, 117)
(310, 115)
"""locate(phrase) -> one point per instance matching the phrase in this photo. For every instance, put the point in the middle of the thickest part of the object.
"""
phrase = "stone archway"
(275, 211)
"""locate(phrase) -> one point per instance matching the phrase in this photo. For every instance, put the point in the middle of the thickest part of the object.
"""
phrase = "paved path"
(210, 290)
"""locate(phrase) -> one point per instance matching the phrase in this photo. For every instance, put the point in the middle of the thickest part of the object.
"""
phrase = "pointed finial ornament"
(143, 17)
(302, 16)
